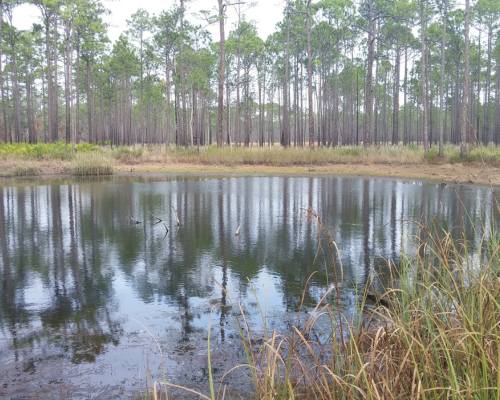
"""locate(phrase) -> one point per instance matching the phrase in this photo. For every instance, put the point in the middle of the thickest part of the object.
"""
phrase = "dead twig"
(158, 219)
(176, 216)
(166, 231)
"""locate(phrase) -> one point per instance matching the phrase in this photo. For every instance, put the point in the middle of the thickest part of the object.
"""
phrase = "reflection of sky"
(70, 250)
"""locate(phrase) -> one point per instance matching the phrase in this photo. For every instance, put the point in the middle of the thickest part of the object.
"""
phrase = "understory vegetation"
(433, 334)
(273, 156)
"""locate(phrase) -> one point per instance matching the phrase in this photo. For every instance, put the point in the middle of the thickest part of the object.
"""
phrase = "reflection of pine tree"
(78, 320)
(76, 239)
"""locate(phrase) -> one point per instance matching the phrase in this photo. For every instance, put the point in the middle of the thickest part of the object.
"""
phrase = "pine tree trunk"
(2, 90)
(442, 104)
(29, 107)
(497, 101)
(395, 105)
(424, 77)
(465, 95)
(222, 59)
(77, 90)
(310, 77)
(286, 83)
(16, 95)
(488, 136)
(367, 129)
(92, 139)
(67, 79)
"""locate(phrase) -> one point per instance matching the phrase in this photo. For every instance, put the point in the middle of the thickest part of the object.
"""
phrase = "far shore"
(481, 165)
(471, 173)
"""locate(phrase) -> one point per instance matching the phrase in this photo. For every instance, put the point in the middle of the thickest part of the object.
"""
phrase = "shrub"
(87, 147)
(432, 154)
(128, 155)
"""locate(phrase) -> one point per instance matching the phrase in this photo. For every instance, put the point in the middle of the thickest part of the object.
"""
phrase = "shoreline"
(459, 173)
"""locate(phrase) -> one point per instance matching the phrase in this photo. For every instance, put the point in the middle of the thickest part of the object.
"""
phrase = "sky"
(264, 13)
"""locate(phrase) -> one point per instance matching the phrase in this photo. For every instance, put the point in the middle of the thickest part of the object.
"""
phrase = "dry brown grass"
(481, 166)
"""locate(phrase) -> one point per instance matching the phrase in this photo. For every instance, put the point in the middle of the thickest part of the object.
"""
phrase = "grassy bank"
(481, 165)
(435, 334)
(278, 156)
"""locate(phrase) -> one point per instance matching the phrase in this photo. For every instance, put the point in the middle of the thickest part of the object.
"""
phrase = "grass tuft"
(128, 155)
(91, 164)
(25, 170)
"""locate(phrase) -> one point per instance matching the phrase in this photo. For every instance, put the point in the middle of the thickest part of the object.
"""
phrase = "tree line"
(334, 72)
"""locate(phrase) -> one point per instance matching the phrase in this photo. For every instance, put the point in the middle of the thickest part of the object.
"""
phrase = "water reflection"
(78, 280)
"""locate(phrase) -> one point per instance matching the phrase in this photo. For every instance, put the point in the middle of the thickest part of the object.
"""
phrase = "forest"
(333, 73)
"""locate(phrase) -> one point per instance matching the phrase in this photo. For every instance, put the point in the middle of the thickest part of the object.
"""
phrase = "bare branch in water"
(158, 219)
(176, 216)
(133, 221)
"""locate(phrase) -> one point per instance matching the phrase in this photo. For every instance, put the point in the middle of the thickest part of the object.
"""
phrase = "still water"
(103, 284)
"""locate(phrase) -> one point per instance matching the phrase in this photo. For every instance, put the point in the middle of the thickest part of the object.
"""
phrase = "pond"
(106, 284)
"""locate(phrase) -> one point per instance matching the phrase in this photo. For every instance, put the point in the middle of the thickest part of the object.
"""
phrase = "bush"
(87, 147)
(432, 154)
(481, 154)
(128, 155)
(47, 151)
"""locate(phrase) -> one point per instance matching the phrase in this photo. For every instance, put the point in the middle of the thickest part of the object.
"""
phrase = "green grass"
(91, 164)
(45, 151)
(437, 336)
(489, 155)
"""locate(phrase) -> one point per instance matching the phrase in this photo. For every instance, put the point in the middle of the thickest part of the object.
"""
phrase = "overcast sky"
(265, 13)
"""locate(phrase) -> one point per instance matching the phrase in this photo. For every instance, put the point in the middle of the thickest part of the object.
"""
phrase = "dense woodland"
(334, 72)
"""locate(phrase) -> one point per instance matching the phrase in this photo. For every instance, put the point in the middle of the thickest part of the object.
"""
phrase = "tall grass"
(91, 164)
(272, 156)
(278, 156)
(434, 335)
